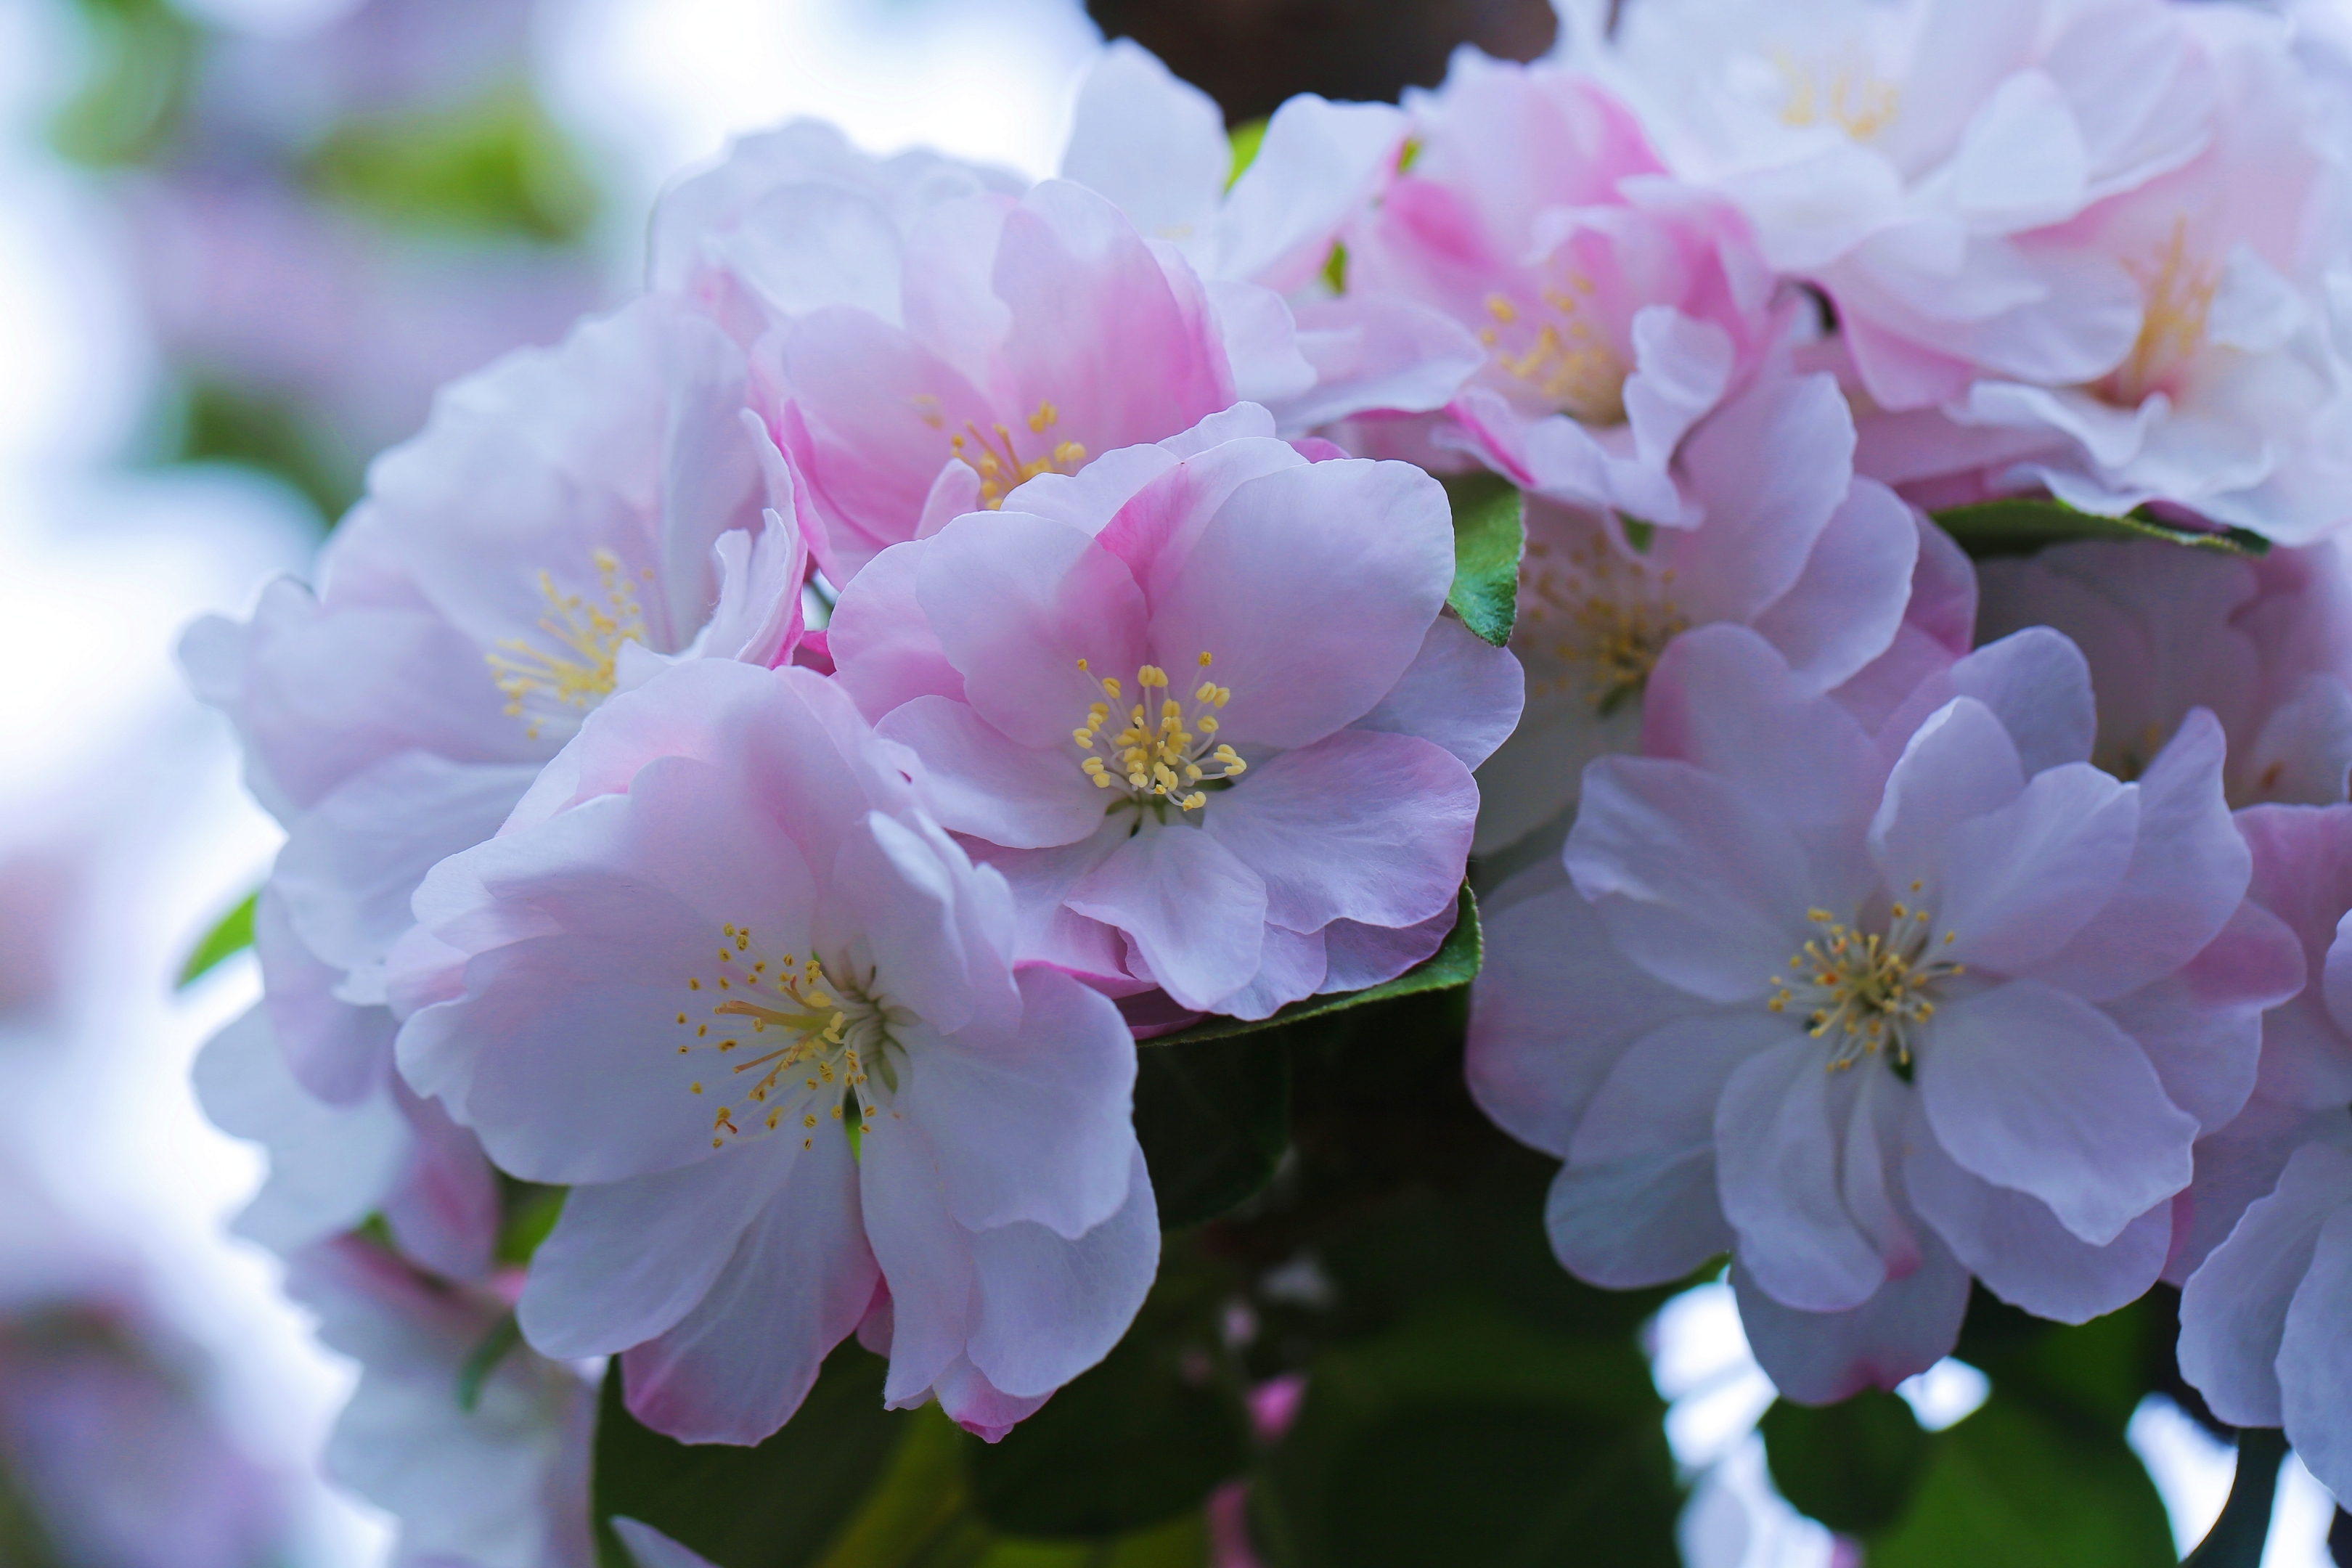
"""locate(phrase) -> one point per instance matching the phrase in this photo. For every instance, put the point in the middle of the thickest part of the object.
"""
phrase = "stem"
(2237, 1537)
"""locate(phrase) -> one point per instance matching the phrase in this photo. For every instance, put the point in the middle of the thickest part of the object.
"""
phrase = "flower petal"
(1031, 1122)
(737, 1366)
(2234, 1309)
(1820, 1358)
(1049, 1309)
(1359, 826)
(1196, 912)
(1777, 1157)
(2030, 1088)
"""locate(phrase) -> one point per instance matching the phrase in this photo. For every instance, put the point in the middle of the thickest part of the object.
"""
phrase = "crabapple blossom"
(570, 519)
(1157, 147)
(500, 1481)
(1894, 155)
(1877, 1011)
(1031, 336)
(2268, 1249)
(720, 976)
(2230, 400)
(2265, 645)
(1615, 305)
(795, 219)
(1789, 543)
(1200, 708)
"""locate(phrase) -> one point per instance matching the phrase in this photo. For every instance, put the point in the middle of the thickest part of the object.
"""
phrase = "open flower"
(570, 519)
(2230, 398)
(1616, 305)
(2265, 645)
(1199, 707)
(795, 219)
(498, 1481)
(2266, 1312)
(1792, 544)
(1895, 154)
(1878, 1012)
(720, 976)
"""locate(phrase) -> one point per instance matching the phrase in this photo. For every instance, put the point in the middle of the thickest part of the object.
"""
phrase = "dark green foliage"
(1213, 1119)
(1488, 535)
(1140, 1439)
(774, 1506)
(1853, 1465)
(1463, 1437)
(2020, 527)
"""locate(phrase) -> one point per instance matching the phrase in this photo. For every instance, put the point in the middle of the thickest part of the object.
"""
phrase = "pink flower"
(1892, 154)
(2267, 1250)
(795, 219)
(1616, 305)
(719, 975)
(503, 1484)
(2265, 645)
(1877, 1011)
(2217, 387)
(1199, 706)
(570, 519)
(1817, 562)
(1030, 337)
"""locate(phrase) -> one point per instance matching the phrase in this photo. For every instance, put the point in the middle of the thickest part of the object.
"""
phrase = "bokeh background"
(241, 241)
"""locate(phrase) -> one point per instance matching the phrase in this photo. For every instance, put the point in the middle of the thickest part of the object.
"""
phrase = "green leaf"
(2014, 1485)
(496, 1346)
(1465, 1436)
(2022, 527)
(1137, 1440)
(2237, 1538)
(531, 1211)
(142, 55)
(1488, 535)
(774, 1506)
(1852, 1466)
(1213, 1119)
(1454, 963)
(495, 164)
(230, 935)
(1246, 138)
(1335, 269)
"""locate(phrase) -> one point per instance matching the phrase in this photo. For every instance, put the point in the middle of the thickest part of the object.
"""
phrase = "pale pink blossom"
(1877, 1011)
(1030, 337)
(1199, 705)
(2229, 397)
(1615, 304)
(2266, 1312)
(501, 1483)
(721, 977)
(570, 519)
(2265, 645)
(1892, 155)
(1791, 544)
(796, 219)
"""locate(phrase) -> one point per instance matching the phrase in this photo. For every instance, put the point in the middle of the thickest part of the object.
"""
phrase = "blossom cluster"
(764, 763)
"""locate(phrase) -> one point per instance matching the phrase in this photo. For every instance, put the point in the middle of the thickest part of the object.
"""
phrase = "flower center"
(1554, 352)
(830, 1036)
(586, 639)
(1001, 468)
(1162, 753)
(1864, 991)
(1845, 90)
(1597, 619)
(2178, 292)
